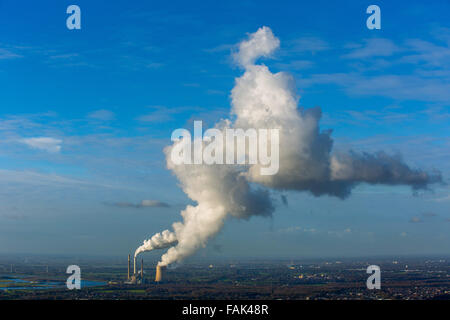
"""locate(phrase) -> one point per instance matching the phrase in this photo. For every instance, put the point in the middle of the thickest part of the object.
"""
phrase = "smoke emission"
(262, 99)
(158, 241)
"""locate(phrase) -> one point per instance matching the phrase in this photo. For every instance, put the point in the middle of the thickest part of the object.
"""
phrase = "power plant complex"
(138, 276)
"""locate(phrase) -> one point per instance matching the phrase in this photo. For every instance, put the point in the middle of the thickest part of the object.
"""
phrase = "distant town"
(333, 279)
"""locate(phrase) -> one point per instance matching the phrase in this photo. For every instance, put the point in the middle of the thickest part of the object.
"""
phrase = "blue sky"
(108, 96)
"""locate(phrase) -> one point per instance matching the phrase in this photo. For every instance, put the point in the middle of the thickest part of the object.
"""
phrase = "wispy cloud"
(103, 115)
(339, 233)
(48, 144)
(28, 177)
(307, 45)
(64, 56)
(297, 229)
(191, 85)
(7, 54)
(163, 113)
(159, 114)
(428, 53)
(142, 204)
(375, 47)
(410, 87)
(375, 65)
(215, 92)
(370, 117)
(220, 48)
(295, 65)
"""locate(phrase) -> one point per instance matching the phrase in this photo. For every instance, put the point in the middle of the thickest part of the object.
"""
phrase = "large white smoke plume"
(261, 99)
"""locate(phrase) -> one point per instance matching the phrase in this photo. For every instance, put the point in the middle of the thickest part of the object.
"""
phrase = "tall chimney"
(134, 268)
(142, 270)
(128, 267)
(159, 272)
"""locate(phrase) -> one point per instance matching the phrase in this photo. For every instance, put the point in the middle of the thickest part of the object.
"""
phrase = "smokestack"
(134, 267)
(159, 272)
(128, 267)
(142, 270)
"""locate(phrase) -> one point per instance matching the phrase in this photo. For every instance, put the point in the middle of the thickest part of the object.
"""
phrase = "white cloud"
(262, 43)
(51, 145)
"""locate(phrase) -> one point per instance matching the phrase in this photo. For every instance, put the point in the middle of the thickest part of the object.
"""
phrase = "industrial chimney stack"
(134, 268)
(128, 267)
(142, 270)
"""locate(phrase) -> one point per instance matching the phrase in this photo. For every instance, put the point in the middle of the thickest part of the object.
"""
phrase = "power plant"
(138, 276)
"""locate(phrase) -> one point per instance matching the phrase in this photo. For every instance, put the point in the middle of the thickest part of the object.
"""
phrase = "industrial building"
(138, 276)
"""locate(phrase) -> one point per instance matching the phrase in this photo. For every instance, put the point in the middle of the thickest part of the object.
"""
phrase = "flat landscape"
(406, 278)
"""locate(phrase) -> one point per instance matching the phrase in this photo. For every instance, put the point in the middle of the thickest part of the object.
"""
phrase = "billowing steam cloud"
(160, 240)
(261, 99)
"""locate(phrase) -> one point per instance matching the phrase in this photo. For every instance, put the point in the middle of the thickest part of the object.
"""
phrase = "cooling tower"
(134, 267)
(159, 272)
